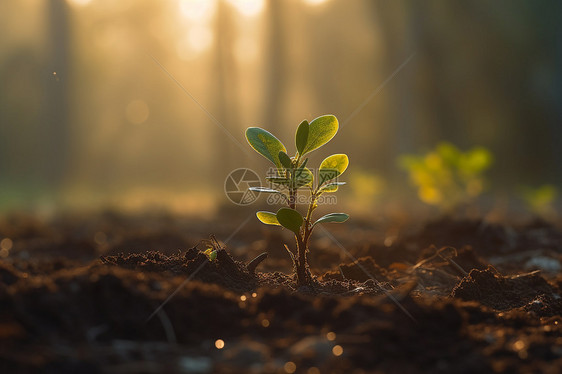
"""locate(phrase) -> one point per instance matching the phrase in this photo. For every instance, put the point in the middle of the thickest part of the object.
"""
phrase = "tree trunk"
(55, 130)
(225, 109)
(277, 67)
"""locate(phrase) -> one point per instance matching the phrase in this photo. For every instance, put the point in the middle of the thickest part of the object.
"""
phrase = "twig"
(252, 265)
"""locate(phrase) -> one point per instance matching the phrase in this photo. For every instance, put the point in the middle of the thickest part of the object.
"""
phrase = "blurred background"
(137, 103)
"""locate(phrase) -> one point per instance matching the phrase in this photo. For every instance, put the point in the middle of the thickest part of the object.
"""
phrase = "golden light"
(5, 247)
(331, 336)
(184, 51)
(219, 344)
(315, 2)
(79, 2)
(197, 10)
(337, 350)
(200, 37)
(137, 112)
(6, 244)
(246, 50)
(290, 367)
(248, 8)
(243, 298)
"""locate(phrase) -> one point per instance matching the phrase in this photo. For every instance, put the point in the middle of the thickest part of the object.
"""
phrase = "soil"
(111, 293)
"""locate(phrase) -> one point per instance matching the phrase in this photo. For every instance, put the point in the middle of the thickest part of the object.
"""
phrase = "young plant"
(446, 176)
(540, 200)
(293, 176)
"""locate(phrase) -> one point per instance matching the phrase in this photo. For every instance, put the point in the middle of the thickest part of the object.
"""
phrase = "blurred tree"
(54, 131)
(401, 27)
(276, 67)
(226, 99)
(21, 100)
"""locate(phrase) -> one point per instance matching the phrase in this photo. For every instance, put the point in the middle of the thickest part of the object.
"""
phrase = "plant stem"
(292, 198)
(303, 274)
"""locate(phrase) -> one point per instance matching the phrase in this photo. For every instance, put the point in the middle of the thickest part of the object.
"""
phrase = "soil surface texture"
(113, 293)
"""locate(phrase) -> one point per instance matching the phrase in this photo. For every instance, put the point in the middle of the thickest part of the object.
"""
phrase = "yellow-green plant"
(447, 176)
(292, 175)
(540, 200)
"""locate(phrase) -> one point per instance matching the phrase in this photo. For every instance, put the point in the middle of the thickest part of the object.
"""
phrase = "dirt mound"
(361, 270)
(223, 270)
(499, 292)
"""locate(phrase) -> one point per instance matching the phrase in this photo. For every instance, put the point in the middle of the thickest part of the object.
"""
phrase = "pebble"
(547, 264)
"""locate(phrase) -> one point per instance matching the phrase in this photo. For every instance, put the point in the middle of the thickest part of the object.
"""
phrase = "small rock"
(195, 364)
(547, 264)
(315, 347)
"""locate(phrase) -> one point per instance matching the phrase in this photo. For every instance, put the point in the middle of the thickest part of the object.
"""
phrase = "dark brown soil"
(86, 295)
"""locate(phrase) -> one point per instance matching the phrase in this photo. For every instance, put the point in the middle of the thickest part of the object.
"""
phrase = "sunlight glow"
(137, 112)
(315, 2)
(246, 50)
(198, 39)
(79, 2)
(197, 10)
(248, 8)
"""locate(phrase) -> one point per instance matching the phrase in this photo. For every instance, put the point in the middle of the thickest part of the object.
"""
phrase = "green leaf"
(303, 177)
(331, 167)
(332, 217)
(211, 254)
(290, 219)
(476, 160)
(331, 187)
(301, 168)
(280, 180)
(268, 218)
(265, 144)
(264, 189)
(321, 130)
(301, 136)
(268, 190)
(450, 154)
(303, 165)
(285, 160)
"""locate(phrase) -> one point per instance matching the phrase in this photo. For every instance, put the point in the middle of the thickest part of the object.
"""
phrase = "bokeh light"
(137, 112)
(219, 344)
(79, 2)
(249, 8)
(198, 10)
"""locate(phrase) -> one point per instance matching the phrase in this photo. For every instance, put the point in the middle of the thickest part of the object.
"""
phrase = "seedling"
(292, 175)
(211, 254)
(540, 200)
(212, 248)
(446, 176)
